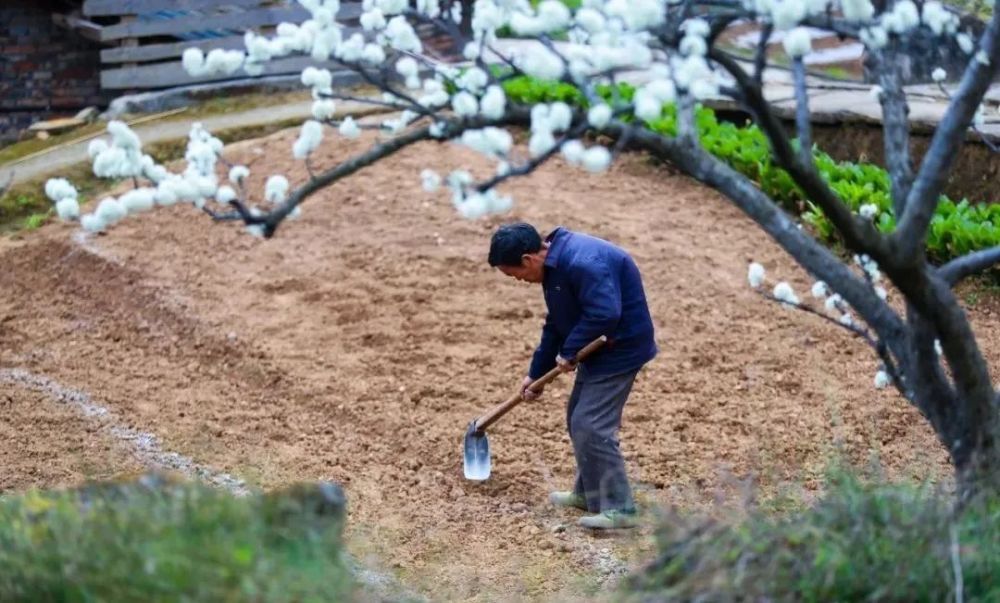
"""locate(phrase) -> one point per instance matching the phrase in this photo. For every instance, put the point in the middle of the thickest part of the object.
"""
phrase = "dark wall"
(45, 71)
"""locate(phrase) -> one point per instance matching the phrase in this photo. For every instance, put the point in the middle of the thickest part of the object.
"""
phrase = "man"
(591, 288)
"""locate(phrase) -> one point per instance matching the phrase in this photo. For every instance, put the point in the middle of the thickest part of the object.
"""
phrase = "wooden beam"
(239, 21)
(73, 22)
(108, 8)
(164, 75)
(155, 52)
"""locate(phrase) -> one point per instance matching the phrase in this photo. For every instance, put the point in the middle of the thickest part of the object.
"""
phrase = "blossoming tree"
(926, 346)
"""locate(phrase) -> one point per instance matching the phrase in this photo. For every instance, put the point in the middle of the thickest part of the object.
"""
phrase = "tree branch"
(813, 256)
(271, 220)
(963, 267)
(911, 233)
(896, 125)
(858, 235)
(802, 123)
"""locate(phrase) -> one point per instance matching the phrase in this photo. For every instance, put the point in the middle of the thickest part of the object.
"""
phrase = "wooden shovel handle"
(501, 409)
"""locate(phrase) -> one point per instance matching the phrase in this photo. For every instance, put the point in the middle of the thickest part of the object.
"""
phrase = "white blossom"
(309, 138)
(784, 293)
(465, 104)
(846, 320)
(542, 141)
(881, 292)
(96, 147)
(937, 347)
(797, 42)
(324, 109)
(58, 189)
(882, 380)
(68, 208)
(225, 194)
(939, 75)
(91, 223)
(868, 211)
(573, 151)
(494, 103)
(857, 10)
(276, 189)
(756, 274)
(599, 115)
(238, 173)
(109, 211)
(832, 303)
(596, 159)
(349, 128)
(430, 180)
(820, 290)
(965, 42)
(138, 200)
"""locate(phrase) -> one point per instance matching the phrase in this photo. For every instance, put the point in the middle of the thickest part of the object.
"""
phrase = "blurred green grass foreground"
(159, 539)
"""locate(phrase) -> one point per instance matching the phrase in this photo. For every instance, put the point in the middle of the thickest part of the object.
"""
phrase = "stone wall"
(45, 71)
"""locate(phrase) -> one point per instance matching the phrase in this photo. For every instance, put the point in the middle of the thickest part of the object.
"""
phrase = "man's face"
(531, 270)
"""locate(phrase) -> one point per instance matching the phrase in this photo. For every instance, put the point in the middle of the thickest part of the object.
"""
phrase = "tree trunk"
(977, 467)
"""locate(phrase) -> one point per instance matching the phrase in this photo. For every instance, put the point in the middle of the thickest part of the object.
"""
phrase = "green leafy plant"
(957, 228)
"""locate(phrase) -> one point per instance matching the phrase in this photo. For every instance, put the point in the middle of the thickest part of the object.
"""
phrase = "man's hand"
(564, 365)
(526, 393)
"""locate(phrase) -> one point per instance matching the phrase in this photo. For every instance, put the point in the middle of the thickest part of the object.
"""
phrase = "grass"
(863, 539)
(157, 540)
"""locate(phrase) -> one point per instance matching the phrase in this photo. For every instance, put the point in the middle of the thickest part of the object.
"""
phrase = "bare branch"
(896, 125)
(968, 265)
(802, 122)
(390, 147)
(760, 58)
(859, 235)
(923, 198)
(535, 163)
(813, 256)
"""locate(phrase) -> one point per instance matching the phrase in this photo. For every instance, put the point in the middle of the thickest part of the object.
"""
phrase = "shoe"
(609, 520)
(568, 499)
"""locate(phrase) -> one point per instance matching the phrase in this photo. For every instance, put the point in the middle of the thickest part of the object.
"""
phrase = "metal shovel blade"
(477, 454)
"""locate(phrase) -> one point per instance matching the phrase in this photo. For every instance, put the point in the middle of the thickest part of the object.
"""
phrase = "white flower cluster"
(868, 211)
(216, 62)
(122, 158)
(471, 204)
(310, 137)
(64, 195)
(798, 42)
(939, 19)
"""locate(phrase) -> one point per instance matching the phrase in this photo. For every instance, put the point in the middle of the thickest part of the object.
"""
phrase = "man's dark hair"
(511, 241)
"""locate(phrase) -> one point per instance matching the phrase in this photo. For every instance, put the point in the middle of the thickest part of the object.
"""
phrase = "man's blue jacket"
(593, 288)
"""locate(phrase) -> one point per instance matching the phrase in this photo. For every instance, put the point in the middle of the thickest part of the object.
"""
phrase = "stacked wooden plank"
(150, 36)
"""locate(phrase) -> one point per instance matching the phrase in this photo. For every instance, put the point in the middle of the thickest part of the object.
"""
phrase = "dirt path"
(357, 344)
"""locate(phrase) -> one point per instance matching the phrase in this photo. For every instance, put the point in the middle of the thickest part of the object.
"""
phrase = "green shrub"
(170, 542)
(860, 542)
(956, 229)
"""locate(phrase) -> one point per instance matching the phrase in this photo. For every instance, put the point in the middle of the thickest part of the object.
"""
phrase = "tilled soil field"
(358, 343)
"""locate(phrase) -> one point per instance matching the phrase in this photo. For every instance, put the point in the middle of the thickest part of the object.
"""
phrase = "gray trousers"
(593, 416)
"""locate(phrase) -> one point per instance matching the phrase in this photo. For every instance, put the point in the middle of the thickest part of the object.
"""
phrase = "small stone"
(42, 136)
(89, 115)
(564, 547)
(559, 529)
(231, 337)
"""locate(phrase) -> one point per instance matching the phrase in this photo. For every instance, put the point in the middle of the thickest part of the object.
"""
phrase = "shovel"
(477, 447)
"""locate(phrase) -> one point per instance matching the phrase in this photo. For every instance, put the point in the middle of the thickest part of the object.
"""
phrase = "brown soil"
(358, 344)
